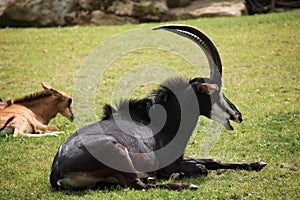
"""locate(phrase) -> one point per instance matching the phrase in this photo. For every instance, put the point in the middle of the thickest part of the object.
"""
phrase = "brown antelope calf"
(29, 116)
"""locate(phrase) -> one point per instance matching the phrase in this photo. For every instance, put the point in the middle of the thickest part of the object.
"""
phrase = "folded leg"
(212, 164)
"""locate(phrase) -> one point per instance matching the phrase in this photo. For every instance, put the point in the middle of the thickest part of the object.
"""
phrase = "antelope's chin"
(227, 125)
(71, 118)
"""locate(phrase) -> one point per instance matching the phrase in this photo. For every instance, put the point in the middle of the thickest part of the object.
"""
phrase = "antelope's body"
(137, 140)
(29, 116)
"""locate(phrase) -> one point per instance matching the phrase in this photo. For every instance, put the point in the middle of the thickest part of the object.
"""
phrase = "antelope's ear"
(208, 88)
(57, 94)
(46, 87)
(54, 92)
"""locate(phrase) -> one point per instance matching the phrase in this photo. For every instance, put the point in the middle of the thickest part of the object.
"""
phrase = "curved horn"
(205, 43)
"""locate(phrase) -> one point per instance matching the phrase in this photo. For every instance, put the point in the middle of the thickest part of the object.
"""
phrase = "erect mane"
(32, 97)
(141, 106)
(136, 107)
(168, 87)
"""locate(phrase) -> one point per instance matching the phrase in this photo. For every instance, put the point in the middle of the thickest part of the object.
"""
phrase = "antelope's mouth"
(227, 125)
(218, 114)
(71, 118)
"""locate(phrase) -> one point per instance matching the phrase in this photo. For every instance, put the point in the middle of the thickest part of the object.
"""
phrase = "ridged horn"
(206, 45)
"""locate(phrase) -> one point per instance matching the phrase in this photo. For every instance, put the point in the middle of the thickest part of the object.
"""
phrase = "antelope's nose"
(71, 118)
(236, 118)
(240, 119)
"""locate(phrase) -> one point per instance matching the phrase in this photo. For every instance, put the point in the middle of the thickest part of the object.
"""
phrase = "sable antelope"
(29, 116)
(130, 143)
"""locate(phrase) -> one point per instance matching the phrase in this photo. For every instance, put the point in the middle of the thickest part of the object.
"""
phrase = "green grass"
(261, 59)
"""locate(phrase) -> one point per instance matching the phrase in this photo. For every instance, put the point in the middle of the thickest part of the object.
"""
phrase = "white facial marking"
(218, 114)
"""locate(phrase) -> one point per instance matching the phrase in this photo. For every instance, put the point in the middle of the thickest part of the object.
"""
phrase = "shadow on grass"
(115, 187)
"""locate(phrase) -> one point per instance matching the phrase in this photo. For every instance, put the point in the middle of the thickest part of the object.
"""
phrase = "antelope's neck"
(44, 109)
(182, 117)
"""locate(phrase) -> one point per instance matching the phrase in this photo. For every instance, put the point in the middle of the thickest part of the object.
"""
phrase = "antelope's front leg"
(183, 168)
(45, 130)
(41, 128)
(212, 164)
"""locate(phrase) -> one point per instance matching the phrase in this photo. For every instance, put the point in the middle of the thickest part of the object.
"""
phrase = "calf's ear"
(54, 92)
(46, 87)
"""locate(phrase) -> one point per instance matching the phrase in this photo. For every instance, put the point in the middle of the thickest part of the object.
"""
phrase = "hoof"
(193, 187)
(256, 166)
(176, 175)
(185, 186)
(261, 165)
(151, 180)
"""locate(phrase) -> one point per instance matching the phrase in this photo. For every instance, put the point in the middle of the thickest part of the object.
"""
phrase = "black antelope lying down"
(29, 116)
(120, 146)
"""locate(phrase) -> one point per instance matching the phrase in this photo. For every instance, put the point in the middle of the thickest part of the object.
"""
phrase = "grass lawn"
(261, 60)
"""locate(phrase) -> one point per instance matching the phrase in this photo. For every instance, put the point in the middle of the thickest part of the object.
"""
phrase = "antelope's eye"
(69, 101)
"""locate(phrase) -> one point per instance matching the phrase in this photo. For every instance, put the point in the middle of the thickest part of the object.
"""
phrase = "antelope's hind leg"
(20, 126)
(126, 172)
(129, 178)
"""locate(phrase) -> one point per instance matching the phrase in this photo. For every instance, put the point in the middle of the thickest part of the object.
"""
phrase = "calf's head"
(64, 102)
